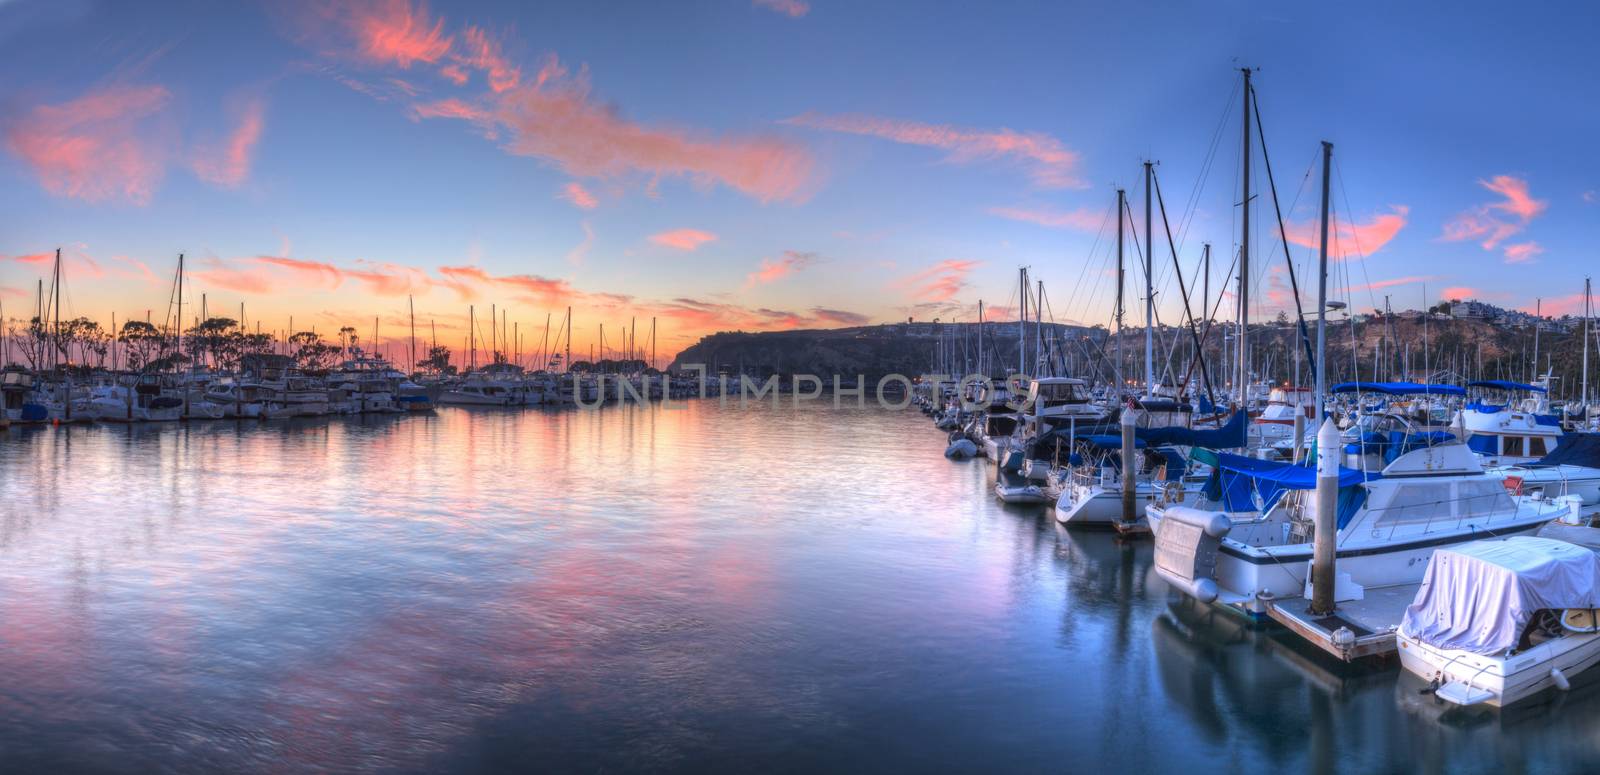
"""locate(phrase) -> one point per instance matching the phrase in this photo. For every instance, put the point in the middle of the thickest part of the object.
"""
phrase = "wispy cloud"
(940, 282)
(1523, 252)
(1495, 222)
(1348, 238)
(683, 239)
(1045, 159)
(94, 148)
(392, 32)
(577, 255)
(228, 165)
(773, 269)
(579, 196)
(794, 9)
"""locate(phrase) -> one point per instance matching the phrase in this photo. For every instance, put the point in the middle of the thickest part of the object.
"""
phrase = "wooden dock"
(1371, 621)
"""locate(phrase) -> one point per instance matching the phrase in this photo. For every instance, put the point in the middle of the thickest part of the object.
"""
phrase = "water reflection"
(702, 588)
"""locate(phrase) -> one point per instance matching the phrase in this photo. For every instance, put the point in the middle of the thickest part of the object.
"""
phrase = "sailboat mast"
(1149, 289)
(1022, 323)
(411, 311)
(1321, 369)
(179, 318)
(55, 312)
(1038, 330)
(1122, 204)
(1205, 303)
(1584, 397)
(568, 362)
(1243, 354)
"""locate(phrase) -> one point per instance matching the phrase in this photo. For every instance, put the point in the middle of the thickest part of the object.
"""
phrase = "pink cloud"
(1460, 292)
(386, 279)
(790, 262)
(315, 272)
(579, 196)
(555, 119)
(940, 282)
(1082, 219)
(1049, 163)
(450, 107)
(90, 148)
(683, 239)
(217, 274)
(1495, 222)
(1522, 252)
(1517, 201)
(229, 165)
(74, 262)
(1570, 304)
(481, 52)
(794, 9)
(1347, 238)
(1378, 285)
(553, 115)
(394, 32)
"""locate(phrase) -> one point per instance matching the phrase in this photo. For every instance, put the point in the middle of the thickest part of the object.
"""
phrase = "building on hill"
(1473, 309)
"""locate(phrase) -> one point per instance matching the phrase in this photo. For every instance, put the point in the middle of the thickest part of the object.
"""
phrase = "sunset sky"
(728, 164)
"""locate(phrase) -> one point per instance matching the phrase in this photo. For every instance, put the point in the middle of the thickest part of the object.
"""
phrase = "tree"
(213, 342)
(142, 344)
(310, 352)
(438, 361)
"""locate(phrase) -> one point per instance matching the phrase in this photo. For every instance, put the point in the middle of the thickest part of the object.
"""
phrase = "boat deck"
(1372, 619)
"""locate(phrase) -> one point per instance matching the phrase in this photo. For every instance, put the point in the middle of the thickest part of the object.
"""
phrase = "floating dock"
(1371, 621)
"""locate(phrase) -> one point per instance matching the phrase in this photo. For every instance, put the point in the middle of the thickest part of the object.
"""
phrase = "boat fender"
(1344, 638)
(1560, 679)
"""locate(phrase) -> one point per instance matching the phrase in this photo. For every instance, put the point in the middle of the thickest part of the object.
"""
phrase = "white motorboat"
(1498, 621)
(1519, 431)
(1257, 519)
(477, 391)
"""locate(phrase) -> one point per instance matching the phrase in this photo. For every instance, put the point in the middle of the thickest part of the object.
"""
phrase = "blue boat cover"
(1231, 435)
(1108, 441)
(1575, 449)
(1398, 388)
(1247, 484)
(1505, 384)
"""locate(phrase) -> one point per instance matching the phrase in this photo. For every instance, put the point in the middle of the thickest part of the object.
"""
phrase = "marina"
(410, 386)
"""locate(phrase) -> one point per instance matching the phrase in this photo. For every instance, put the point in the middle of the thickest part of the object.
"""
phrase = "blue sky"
(858, 152)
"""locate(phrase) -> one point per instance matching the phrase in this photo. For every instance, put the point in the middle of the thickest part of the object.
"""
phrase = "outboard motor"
(1186, 550)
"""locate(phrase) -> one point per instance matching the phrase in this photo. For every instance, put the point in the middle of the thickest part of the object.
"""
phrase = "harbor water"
(704, 588)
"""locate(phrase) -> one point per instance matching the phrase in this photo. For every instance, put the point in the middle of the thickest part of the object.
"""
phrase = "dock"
(1371, 621)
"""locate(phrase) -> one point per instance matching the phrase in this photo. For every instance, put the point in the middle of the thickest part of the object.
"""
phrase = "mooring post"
(1129, 475)
(1326, 541)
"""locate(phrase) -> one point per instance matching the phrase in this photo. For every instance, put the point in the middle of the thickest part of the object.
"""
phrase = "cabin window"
(1482, 499)
(1511, 445)
(1536, 447)
(1414, 503)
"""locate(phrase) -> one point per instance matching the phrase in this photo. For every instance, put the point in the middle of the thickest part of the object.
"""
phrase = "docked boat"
(1498, 621)
(1257, 519)
(477, 390)
(1092, 489)
(1520, 430)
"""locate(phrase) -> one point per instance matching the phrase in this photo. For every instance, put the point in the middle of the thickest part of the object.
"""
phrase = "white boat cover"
(1480, 596)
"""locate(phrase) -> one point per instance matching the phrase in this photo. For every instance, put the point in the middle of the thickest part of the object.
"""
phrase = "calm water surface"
(701, 589)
